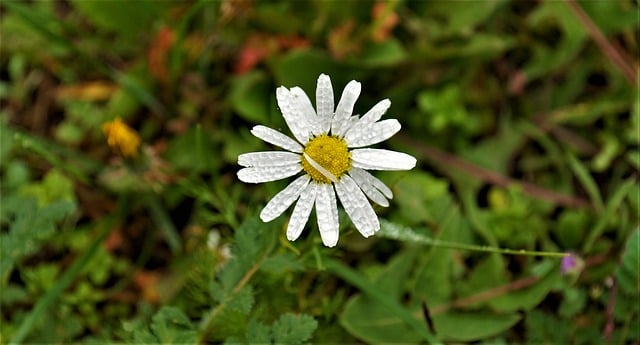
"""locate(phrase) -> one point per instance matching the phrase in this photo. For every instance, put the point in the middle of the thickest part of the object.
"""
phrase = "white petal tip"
(265, 218)
(242, 176)
(412, 163)
(330, 244)
(330, 239)
(291, 237)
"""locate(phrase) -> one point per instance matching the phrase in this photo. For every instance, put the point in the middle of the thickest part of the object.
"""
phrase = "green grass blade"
(609, 212)
(587, 181)
(162, 220)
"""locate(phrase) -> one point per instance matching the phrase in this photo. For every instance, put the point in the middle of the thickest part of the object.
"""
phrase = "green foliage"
(168, 326)
(523, 117)
(30, 226)
(628, 273)
(368, 319)
(108, 15)
(288, 329)
(248, 96)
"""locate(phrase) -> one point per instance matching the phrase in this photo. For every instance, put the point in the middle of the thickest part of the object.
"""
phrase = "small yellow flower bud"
(121, 138)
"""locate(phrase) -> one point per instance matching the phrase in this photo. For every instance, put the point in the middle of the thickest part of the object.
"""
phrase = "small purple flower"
(571, 264)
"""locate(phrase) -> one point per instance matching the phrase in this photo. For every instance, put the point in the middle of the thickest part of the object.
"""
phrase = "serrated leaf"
(243, 300)
(293, 329)
(250, 247)
(30, 226)
(258, 333)
(168, 326)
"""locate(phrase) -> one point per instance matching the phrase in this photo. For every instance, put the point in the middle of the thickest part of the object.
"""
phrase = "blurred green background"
(523, 115)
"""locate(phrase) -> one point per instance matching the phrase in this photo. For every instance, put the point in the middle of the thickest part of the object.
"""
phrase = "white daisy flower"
(328, 151)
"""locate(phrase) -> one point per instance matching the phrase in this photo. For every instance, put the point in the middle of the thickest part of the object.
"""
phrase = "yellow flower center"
(329, 158)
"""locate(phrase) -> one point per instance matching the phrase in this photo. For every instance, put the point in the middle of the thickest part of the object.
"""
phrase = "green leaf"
(628, 272)
(53, 187)
(573, 34)
(460, 17)
(302, 68)
(168, 326)
(253, 243)
(293, 329)
(434, 278)
(529, 297)
(488, 273)
(250, 96)
(30, 226)
(572, 227)
(368, 319)
(422, 197)
(470, 326)
(383, 54)
(108, 15)
(243, 300)
(542, 328)
(258, 333)
(250, 247)
(189, 152)
(288, 329)
(281, 263)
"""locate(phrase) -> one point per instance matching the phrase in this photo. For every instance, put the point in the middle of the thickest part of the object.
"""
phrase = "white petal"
(375, 113)
(327, 214)
(371, 133)
(266, 174)
(346, 125)
(268, 158)
(378, 159)
(374, 181)
(324, 102)
(357, 206)
(345, 106)
(276, 138)
(301, 212)
(306, 110)
(284, 199)
(296, 120)
(369, 190)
